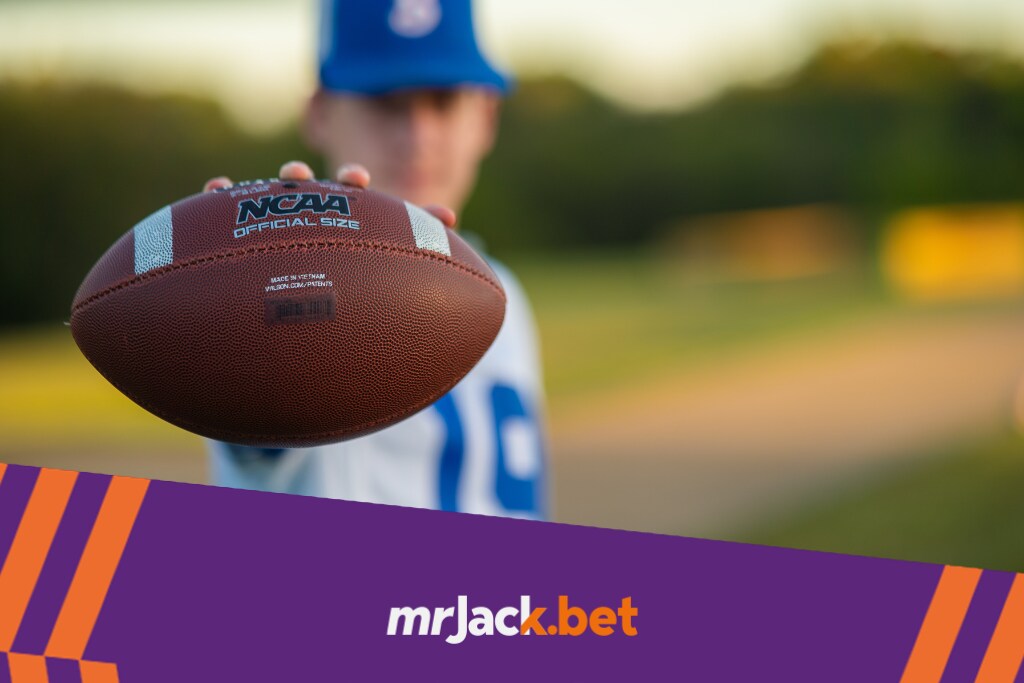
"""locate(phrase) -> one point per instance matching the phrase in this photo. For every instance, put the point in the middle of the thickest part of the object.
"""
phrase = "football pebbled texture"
(286, 313)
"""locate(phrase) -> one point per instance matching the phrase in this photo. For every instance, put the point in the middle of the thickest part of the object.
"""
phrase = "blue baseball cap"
(376, 46)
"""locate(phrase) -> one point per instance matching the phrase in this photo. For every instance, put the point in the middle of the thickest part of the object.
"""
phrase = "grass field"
(606, 321)
(962, 507)
(51, 398)
(610, 322)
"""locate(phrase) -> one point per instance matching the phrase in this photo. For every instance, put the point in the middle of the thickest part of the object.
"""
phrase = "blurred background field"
(607, 321)
(784, 306)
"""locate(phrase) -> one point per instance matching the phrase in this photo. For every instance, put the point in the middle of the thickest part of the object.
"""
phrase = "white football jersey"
(479, 449)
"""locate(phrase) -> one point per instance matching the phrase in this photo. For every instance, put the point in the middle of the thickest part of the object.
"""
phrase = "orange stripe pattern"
(96, 569)
(97, 672)
(1005, 651)
(941, 625)
(28, 668)
(32, 669)
(29, 549)
(24, 563)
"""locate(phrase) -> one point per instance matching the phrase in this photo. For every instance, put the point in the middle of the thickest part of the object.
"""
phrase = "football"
(286, 314)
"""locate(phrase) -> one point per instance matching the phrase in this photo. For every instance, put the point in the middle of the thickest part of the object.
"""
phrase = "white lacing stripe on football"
(428, 230)
(154, 241)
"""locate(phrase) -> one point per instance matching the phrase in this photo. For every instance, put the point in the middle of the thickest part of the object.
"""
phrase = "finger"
(354, 174)
(217, 183)
(295, 170)
(442, 213)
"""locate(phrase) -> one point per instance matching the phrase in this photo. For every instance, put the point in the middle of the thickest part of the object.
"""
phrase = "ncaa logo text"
(288, 206)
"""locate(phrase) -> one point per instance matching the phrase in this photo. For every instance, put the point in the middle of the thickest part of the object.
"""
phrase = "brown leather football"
(281, 313)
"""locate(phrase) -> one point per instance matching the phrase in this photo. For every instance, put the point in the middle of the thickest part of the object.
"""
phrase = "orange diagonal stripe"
(96, 569)
(97, 672)
(27, 668)
(941, 625)
(28, 550)
(3, 468)
(1006, 649)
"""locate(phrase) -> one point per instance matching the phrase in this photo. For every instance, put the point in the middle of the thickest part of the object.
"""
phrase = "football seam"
(351, 246)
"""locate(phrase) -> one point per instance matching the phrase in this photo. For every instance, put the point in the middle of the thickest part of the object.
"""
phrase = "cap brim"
(378, 78)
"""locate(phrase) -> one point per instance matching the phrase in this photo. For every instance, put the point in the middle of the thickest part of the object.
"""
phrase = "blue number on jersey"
(514, 493)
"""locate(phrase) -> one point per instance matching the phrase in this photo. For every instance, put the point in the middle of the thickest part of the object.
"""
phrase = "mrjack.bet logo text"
(457, 622)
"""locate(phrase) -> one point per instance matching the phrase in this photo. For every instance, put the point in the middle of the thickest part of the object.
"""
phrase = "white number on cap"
(414, 18)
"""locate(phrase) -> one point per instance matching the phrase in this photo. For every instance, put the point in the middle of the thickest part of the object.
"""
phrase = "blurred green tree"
(85, 163)
(876, 127)
(872, 126)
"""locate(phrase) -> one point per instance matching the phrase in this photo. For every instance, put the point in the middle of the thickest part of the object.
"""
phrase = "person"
(405, 91)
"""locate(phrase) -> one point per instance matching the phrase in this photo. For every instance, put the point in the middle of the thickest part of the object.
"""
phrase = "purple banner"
(157, 581)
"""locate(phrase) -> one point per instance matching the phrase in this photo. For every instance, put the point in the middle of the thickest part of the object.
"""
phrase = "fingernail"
(216, 183)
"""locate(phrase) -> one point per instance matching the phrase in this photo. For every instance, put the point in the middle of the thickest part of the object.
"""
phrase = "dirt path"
(705, 454)
(185, 463)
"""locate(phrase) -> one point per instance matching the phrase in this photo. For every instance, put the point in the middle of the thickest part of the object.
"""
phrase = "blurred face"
(422, 145)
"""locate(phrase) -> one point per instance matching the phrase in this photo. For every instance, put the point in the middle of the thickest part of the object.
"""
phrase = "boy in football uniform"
(405, 90)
